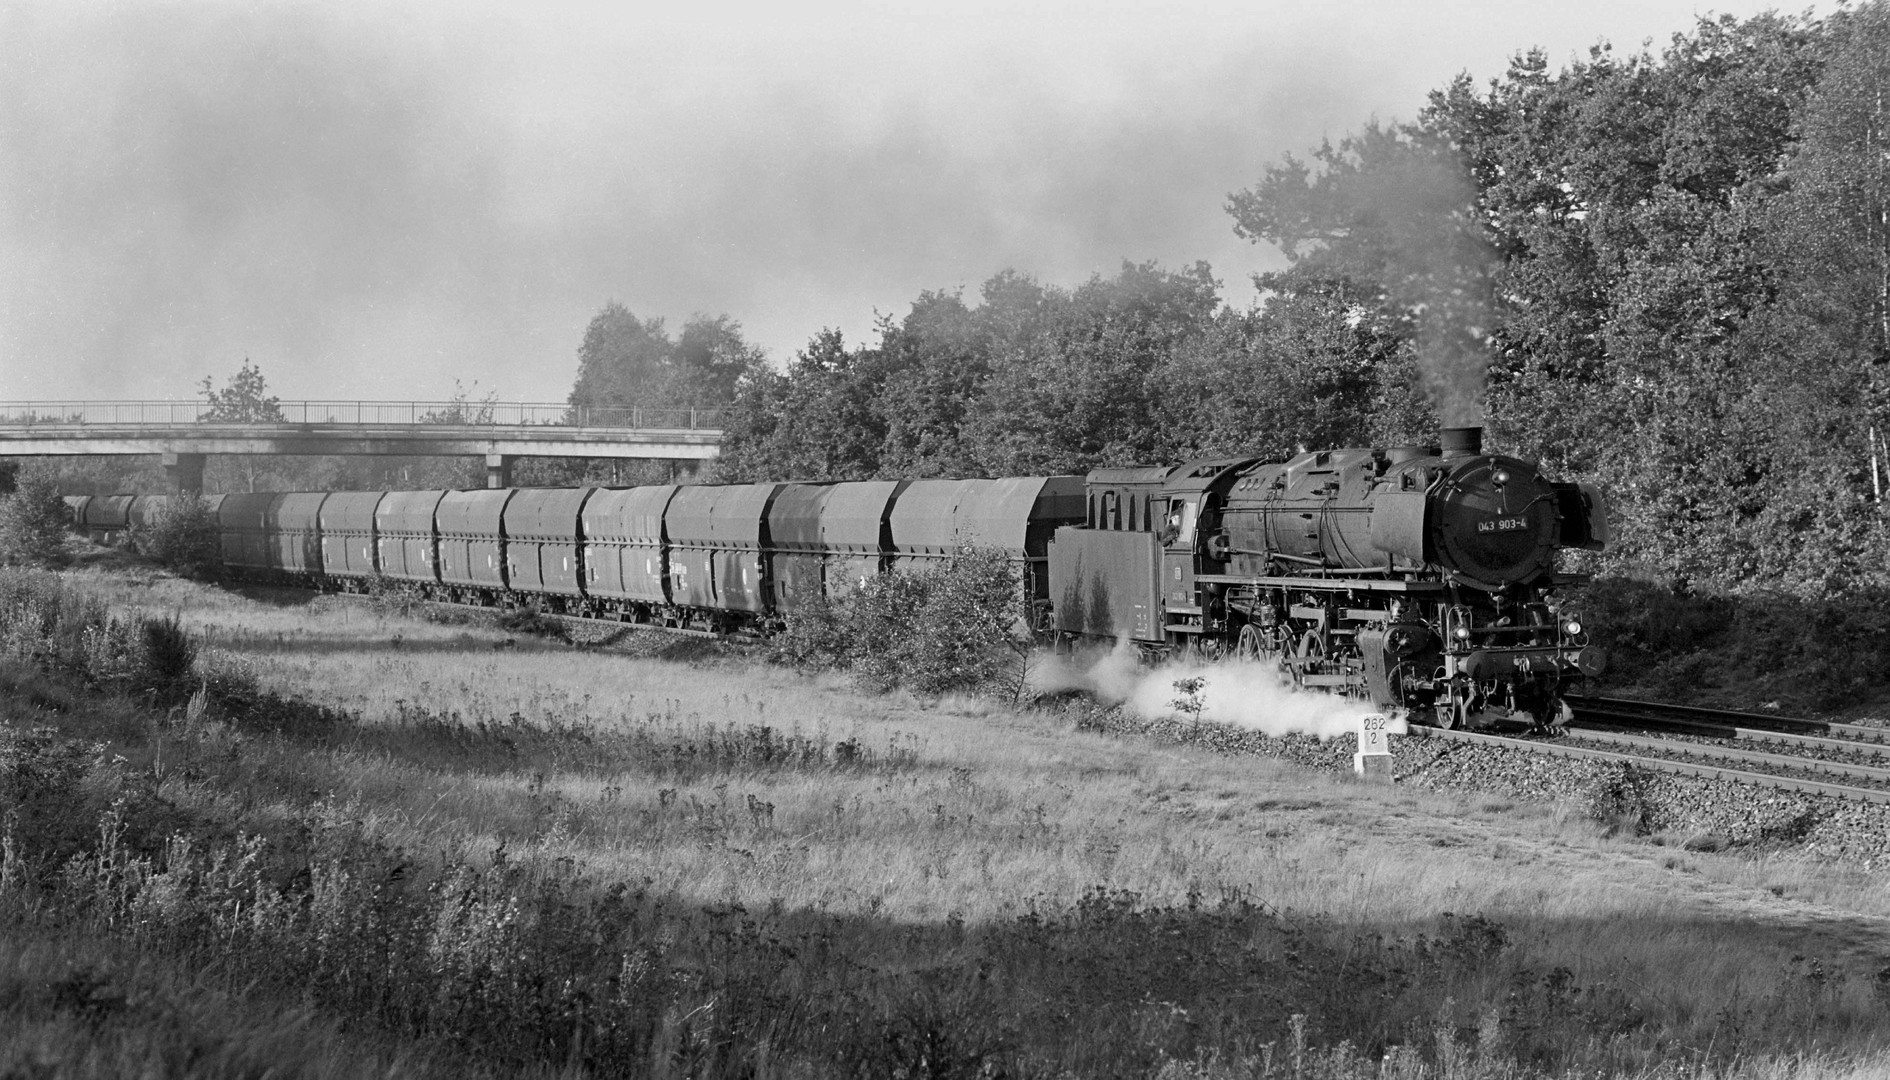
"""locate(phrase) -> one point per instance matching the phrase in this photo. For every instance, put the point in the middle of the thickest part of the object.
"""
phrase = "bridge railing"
(475, 413)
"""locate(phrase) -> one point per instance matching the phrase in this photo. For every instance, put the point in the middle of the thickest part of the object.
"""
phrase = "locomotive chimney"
(1462, 441)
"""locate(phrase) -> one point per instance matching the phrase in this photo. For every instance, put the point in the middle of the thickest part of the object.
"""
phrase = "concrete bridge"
(183, 433)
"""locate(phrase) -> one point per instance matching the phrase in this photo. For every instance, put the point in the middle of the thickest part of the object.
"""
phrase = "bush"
(816, 637)
(185, 538)
(166, 658)
(959, 627)
(33, 525)
(1827, 653)
(51, 625)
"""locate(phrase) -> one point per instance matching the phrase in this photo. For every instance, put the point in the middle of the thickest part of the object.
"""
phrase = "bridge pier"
(499, 470)
(184, 472)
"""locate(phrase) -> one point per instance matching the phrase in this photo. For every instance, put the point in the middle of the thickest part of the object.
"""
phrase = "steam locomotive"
(1421, 578)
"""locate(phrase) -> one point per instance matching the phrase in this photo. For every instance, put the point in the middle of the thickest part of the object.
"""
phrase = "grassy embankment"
(383, 845)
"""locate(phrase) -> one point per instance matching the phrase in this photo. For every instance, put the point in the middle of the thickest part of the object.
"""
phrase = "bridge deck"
(360, 427)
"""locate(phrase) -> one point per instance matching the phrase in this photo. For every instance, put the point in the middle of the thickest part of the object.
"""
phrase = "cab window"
(1181, 523)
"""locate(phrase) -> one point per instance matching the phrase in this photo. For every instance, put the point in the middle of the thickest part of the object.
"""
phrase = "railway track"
(1747, 725)
(1847, 761)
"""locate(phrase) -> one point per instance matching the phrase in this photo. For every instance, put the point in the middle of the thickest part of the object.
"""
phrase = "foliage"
(53, 625)
(1391, 215)
(959, 626)
(34, 521)
(184, 537)
(463, 408)
(627, 361)
(1141, 366)
(1666, 272)
(244, 399)
(1801, 655)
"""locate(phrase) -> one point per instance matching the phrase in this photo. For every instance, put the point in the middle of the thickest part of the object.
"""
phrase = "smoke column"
(1246, 695)
(1439, 265)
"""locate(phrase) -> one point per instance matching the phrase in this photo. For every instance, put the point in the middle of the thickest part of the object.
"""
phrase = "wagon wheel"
(1312, 653)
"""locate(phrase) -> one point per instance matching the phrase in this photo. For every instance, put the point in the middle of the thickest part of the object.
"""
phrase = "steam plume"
(1245, 695)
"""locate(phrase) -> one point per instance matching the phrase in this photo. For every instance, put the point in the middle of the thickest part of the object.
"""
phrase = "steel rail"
(1728, 753)
(1666, 765)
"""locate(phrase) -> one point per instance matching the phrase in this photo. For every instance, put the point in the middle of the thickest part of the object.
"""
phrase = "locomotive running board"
(1328, 584)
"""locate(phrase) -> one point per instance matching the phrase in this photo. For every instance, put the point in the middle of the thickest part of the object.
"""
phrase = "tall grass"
(572, 862)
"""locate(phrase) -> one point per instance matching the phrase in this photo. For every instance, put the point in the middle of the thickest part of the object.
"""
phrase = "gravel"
(1709, 814)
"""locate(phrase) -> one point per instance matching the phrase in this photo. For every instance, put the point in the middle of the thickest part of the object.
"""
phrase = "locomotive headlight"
(1463, 633)
(1499, 477)
(1572, 624)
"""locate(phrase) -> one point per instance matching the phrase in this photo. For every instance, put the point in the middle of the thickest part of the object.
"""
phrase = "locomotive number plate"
(1502, 525)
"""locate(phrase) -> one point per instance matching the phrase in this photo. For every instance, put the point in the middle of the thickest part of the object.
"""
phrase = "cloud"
(375, 200)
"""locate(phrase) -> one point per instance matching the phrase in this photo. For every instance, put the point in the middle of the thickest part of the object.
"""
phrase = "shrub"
(393, 596)
(167, 658)
(1824, 653)
(33, 524)
(185, 538)
(961, 626)
(50, 624)
(816, 637)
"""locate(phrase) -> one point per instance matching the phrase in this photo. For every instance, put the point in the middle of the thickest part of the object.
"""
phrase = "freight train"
(1422, 578)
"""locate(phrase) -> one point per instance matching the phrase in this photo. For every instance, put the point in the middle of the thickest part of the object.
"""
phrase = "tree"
(1076, 387)
(1301, 372)
(33, 524)
(932, 366)
(819, 420)
(1390, 216)
(1830, 237)
(628, 362)
(709, 360)
(244, 399)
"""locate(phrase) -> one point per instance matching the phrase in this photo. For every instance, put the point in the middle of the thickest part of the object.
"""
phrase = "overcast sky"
(371, 200)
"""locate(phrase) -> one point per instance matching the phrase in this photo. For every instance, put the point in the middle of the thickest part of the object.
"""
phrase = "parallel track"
(1659, 764)
(1750, 724)
(1599, 720)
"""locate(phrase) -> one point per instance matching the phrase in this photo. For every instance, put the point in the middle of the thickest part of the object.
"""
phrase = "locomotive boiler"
(1420, 577)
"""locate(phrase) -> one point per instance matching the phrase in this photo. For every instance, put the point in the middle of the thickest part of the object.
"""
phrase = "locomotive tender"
(1421, 578)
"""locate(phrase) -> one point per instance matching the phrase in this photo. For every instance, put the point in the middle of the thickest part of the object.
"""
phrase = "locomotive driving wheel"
(1252, 644)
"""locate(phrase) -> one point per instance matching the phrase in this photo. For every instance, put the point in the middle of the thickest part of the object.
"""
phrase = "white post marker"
(1373, 760)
